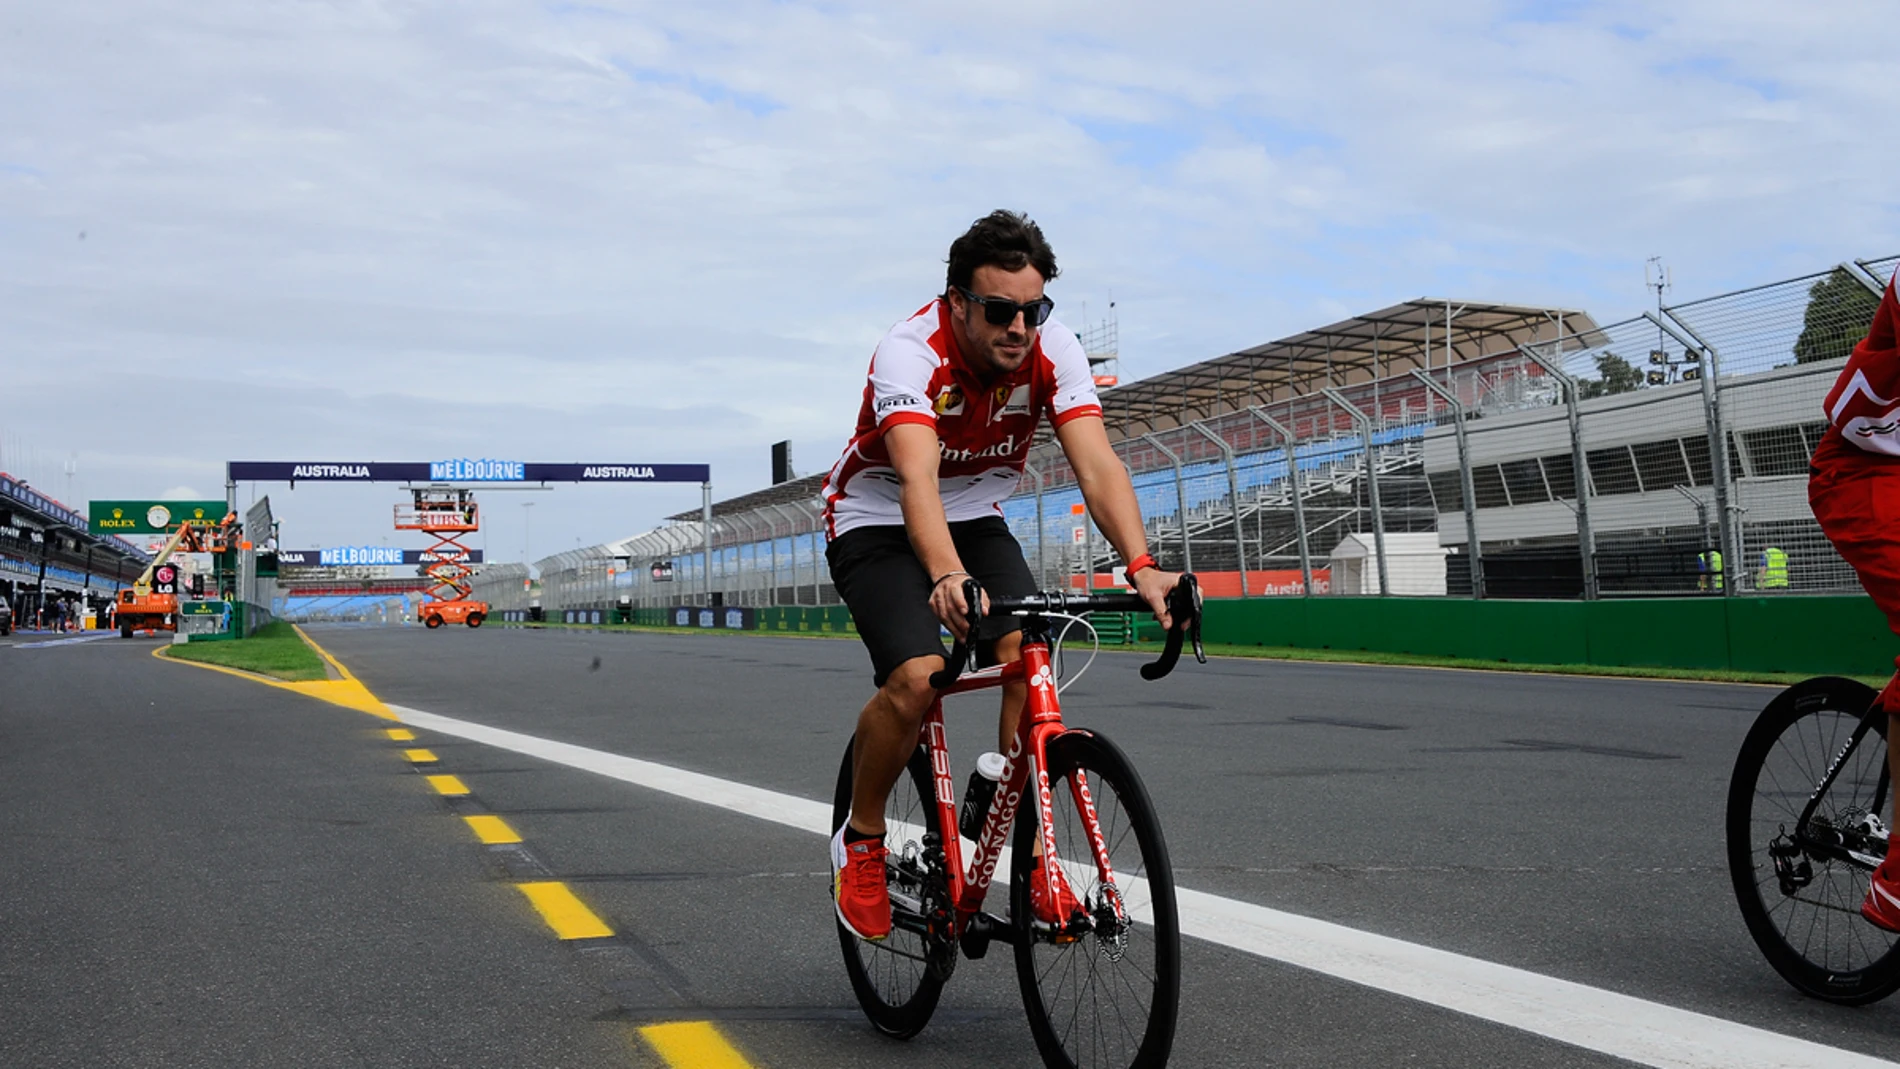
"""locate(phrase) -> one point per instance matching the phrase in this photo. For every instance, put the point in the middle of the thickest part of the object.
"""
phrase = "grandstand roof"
(1380, 344)
(794, 492)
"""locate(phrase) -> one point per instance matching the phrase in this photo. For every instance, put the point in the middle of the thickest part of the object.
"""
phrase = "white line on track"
(1622, 1026)
(74, 641)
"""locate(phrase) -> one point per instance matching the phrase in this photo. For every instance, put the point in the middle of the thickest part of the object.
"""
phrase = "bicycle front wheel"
(1800, 887)
(898, 979)
(1107, 997)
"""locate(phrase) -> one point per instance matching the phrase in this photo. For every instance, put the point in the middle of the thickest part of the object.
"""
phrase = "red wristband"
(1146, 560)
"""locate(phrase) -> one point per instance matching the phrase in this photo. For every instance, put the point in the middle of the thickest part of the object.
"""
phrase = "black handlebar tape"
(1184, 607)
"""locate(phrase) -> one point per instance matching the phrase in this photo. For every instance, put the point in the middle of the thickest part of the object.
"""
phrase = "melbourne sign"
(361, 556)
(461, 471)
(477, 471)
(150, 517)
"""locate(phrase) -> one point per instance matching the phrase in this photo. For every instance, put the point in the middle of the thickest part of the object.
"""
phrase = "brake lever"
(961, 649)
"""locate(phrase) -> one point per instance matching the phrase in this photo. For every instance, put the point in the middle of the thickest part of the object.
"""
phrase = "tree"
(1616, 375)
(1839, 312)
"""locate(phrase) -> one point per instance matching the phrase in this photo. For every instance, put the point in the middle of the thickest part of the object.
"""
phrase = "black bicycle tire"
(1881, 976)
(1113, 770)
(905, 1020)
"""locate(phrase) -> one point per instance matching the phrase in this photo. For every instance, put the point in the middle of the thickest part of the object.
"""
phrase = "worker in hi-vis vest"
(1774, 569)
(1708, 565)
(1854, 489)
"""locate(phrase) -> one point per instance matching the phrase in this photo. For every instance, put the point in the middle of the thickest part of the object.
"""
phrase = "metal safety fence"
(1665, 454)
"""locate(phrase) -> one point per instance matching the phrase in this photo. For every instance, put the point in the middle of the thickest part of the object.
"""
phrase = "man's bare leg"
(887, 734)
(1009, 649)
(1893, 779)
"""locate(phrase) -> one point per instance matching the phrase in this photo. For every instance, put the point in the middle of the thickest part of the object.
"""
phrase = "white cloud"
(672, 232)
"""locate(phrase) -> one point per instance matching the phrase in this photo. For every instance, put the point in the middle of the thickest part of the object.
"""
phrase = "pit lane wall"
(1808, 635)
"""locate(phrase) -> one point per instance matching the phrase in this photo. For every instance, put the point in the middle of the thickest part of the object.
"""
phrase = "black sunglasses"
(999, 312)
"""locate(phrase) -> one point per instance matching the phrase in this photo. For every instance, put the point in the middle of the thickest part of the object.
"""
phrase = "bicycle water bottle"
(982, 790)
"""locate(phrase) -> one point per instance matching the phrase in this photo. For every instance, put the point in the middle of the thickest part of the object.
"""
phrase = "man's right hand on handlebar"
(1154, 586)
(948, 602)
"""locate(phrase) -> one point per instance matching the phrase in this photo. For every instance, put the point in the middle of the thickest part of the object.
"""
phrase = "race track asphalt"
(207, 871)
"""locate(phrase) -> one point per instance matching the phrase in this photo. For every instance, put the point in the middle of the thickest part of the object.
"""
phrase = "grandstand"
(769, 546)
(1262, 468)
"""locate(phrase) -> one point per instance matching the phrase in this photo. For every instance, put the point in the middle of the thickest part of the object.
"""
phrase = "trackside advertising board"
(462, 470)
(149, 517)
(358, 556)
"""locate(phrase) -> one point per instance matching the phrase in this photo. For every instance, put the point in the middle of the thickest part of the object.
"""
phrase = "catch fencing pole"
(1580, 463)
(1474, 552)
(1364, 423)
(1708, 367)
(1042, 532)
(1180, 498)
(1233, 499)
(705, 532)
(1291, 445)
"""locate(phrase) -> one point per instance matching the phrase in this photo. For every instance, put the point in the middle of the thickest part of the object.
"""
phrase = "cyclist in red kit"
(913, 508)
(1854, 489)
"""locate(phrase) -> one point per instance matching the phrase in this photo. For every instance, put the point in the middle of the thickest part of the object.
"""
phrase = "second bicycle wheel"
(895, 979)
(1800, 888)
(1106, 998)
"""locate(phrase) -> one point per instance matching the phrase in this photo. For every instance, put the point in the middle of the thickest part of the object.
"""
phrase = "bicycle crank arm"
(982, 930)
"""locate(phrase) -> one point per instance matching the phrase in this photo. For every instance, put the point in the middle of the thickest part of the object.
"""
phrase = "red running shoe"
(858, 888)
(1882, 907)
(1049, 896)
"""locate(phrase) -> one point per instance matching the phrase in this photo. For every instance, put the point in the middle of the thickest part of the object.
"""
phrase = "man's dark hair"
(1005, 239)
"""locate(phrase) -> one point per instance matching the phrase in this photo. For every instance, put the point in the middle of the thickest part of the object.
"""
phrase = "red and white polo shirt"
(1863, 408)
(918, 376)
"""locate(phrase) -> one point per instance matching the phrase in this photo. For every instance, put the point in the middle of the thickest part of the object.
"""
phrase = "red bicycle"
(1102, 988)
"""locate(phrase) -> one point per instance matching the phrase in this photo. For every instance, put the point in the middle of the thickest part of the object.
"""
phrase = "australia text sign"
(464, 470)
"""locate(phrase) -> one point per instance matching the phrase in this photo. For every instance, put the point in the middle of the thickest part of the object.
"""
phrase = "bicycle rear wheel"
(1802, 902)
(1106, 997)
(898, 980)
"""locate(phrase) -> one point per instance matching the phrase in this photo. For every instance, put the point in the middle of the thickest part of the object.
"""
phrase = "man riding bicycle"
(1854, 489)
(955, 395)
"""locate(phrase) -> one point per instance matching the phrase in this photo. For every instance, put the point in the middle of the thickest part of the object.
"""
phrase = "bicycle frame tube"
(1027, 757)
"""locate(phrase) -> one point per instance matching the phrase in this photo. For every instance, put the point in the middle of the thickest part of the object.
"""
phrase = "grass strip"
(1288, 653)
(276, 651)
(1417, 660)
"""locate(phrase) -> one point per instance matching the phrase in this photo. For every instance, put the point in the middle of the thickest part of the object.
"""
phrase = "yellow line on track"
(567, 915)
(401, 735)
(420, 757)
(448, 785)
(346, 691)
(693, 1045)
(493, 831)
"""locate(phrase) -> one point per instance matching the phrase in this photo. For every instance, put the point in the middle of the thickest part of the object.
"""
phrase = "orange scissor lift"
(446, 515)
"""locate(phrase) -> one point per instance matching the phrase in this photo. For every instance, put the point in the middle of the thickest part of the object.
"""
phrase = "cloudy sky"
(666, 232)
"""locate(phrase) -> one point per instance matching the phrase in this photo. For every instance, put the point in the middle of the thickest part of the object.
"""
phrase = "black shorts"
(878, 575)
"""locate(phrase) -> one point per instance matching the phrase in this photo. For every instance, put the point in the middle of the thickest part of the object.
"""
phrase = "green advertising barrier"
(1808, 635)
(149, 517)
